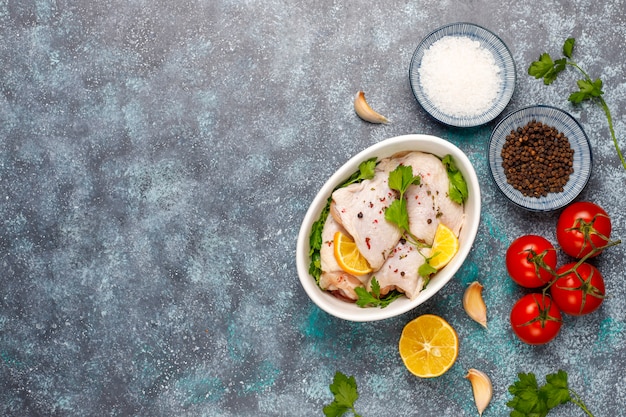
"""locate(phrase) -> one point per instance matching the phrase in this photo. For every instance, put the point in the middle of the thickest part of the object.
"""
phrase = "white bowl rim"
(382, 149)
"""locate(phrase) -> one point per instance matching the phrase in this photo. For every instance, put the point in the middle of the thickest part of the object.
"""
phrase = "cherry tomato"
(579, 292)
(536, 319)
(520, 256)
(581, 227)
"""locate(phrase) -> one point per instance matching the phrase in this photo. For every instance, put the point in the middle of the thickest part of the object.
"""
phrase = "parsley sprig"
(399, 180)
(457, 190)
(532, 400)
(345, 392)
(373, 298)
(588, 89)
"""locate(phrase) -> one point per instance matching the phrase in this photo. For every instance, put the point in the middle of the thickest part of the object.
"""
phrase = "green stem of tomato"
(575, 267)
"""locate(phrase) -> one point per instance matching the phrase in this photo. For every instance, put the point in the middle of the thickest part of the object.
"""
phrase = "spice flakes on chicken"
(359, 210)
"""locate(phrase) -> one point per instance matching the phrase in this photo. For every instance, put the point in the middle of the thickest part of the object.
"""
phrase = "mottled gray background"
(157, 159)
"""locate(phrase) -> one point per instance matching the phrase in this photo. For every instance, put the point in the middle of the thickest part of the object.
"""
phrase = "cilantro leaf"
(366, 171)
(568, 47)
(401, 177)
(373, 298)
(548, 69)
(531, 400)
(315, 243)
(398, 214)
(345, 393)
(425, 270)
(399, 180)
(556, 389)
(345, 390)
(335, 410)
(457, 189)
(587, 90)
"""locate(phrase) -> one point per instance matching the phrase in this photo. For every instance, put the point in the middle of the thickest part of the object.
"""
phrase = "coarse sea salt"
(460, 77)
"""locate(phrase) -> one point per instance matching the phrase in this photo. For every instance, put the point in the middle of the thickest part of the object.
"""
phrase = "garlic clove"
(364, 110)
(482, 389)
(474, 304)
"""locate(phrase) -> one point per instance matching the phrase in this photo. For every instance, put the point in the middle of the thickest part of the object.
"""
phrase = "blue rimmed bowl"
(564, 123)
(489, 41)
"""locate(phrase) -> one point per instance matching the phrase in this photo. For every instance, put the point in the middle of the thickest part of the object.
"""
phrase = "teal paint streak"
(262, 378)
(10, 360)
(495, 231)
(468, 273)
(313, 327)
(321, 327)
(201, 390)
(610, 331)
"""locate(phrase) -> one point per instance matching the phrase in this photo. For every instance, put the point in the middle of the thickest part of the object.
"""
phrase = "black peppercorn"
(537, 159)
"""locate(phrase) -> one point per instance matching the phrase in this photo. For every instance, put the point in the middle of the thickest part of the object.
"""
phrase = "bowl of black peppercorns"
(540, 157)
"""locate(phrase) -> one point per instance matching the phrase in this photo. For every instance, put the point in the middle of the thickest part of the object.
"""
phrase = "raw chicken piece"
(429, 204)
(399, 271)
(360, 209)
(333, 278)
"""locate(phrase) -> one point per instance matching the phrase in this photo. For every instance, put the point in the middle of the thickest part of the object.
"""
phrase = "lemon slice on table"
(428, 346)
(348, 256)
(445, 246)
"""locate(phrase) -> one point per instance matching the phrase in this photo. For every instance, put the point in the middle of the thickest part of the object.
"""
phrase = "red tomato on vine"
(579, 292)
(583, 227)
(536, 319)
(530, 260)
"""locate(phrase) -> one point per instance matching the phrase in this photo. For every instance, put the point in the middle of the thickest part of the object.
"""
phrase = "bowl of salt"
(462, 74)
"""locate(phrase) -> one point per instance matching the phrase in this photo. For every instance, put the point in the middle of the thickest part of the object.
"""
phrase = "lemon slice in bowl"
(445, 246)
(348, 256)
(428, 346)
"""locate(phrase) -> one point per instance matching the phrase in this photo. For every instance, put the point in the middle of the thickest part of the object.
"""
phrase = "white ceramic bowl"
(388, 147)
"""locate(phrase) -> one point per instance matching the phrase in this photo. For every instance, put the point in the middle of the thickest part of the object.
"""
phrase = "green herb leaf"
(425, 270)
(399, 180)
(527, 400)
(398, 214)
(587, 90)
(366, 171)
(345, 391)
(556, 389)
(568, 47)
(315, 243)
(531, 400)
(457, 190)
(373, 298)
(402, 177)
(548, 70)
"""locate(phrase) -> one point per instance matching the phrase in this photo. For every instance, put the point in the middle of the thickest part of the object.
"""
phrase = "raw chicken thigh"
(333, 278)
(359, 211)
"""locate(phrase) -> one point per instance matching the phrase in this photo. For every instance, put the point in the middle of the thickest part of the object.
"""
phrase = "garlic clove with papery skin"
(474, 304)
(364, 110)
(482, 389)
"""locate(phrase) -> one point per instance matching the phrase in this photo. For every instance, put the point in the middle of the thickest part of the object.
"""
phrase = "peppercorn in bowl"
(540, 158)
